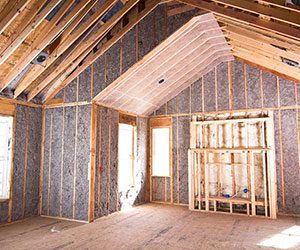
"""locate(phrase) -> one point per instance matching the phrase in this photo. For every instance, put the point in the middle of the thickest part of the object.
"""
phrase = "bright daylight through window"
(5, 155)
(160, 152)
(126, 156)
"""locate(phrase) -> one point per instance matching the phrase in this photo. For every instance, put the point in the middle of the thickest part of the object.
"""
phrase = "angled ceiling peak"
(191, 52)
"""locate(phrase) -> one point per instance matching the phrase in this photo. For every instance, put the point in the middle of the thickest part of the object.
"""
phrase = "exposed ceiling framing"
(263, 32)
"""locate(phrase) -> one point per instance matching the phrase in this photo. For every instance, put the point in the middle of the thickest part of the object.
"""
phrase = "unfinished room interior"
(149, 124)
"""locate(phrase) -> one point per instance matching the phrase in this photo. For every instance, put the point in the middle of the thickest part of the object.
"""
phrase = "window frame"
(9, 110)
(156, 123)
(131, 121)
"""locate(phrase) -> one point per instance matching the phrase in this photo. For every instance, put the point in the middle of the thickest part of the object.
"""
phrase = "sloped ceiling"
(192, 51)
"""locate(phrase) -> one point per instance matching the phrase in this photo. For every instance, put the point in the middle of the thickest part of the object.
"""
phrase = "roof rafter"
(65, 35)
(44, 39)
(89, 43)
(67, 41)
(244, 17)
(275, 13)
(10, 12)
(58, 85)
(282, 4)
(24, 30)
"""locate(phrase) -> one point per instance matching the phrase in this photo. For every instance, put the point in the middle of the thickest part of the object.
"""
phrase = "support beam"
(274, 13)
(24, 31)
(56, 87)
(245, 18)
(43, 40)
(264, 62)
(86, 45)
(67, 41)
(10, 12)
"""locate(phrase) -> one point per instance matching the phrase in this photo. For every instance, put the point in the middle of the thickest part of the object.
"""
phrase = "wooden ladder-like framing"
(199, 166)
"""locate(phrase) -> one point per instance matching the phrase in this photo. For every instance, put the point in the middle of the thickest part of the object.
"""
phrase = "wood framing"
(127, 119)
(59, 50)
(256, 194)
(265, 33)
(252, 30)
(44, 39)
(165, 122)
(92, 165)
(42, 162)
(58, 85)
(245, 18)
(86, 46)
(23, 32)
(10, 12)
(7, 108)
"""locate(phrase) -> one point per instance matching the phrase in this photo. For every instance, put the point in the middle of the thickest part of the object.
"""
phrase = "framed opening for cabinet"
(232, 165)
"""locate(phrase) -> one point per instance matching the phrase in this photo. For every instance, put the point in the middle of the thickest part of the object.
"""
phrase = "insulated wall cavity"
(25, 166)
(239, 87)
(65, 181)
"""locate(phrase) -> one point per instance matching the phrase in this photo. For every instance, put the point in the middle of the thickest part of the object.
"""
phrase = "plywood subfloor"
(154, 226)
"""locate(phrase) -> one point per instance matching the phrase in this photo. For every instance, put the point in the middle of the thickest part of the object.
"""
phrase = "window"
(6, 124)
(161, 151)
(126, 156)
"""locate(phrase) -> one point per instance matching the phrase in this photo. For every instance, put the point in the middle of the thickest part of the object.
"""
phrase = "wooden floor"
(154, 226)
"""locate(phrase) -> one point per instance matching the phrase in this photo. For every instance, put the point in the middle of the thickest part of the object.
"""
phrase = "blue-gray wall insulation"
(280, 92)
(66, 162)
(26, 165)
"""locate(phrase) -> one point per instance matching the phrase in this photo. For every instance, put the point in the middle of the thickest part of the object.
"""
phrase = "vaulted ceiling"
(44, 44)
(184, 57)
